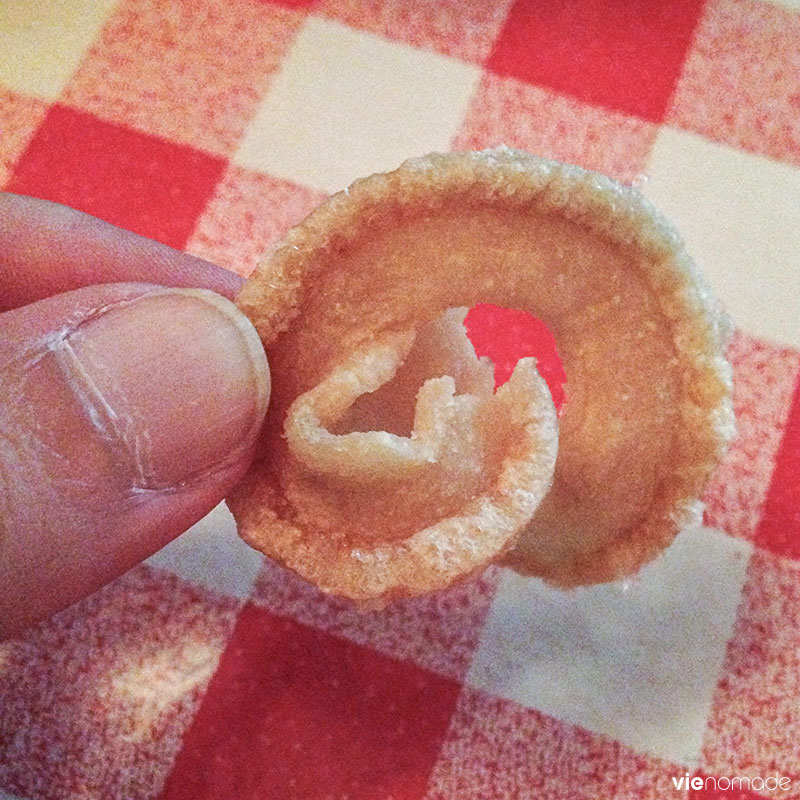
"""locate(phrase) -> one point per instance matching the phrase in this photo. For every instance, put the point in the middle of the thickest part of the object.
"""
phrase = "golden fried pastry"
(388, 465)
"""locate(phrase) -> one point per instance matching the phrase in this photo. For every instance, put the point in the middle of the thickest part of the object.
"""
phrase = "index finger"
(47, 249)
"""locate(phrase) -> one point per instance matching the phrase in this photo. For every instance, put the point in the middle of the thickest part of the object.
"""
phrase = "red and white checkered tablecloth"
(208, 672)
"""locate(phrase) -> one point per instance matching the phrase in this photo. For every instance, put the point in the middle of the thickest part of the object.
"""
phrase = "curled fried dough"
(390, 468)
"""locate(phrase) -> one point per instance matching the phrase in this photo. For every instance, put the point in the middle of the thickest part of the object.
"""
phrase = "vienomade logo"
(773, 783)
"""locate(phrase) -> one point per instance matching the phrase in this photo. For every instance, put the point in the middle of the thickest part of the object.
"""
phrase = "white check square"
(211, 554)
(739, 214)
(347, 103)
(43, 42)
(792, 5)
(637, 661)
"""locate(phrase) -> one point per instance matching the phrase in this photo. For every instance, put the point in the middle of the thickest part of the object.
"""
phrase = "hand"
(127, 410)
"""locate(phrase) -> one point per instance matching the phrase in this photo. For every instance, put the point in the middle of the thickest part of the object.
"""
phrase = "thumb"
(127, 412)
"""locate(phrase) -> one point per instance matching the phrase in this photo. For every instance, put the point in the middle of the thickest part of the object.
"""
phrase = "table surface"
(213, 125)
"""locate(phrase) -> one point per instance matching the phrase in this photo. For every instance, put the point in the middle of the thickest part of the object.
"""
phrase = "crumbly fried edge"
(619, 214)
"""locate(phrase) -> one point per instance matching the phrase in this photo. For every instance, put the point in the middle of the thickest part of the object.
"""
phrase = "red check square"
(137, 181)
(779, 529)
(294, 712)
(623, 55)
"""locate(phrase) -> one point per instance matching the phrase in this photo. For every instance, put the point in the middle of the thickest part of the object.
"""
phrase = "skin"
(130, 402)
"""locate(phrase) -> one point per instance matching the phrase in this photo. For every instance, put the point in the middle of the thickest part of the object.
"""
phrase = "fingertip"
(186, 372)
(155, 401)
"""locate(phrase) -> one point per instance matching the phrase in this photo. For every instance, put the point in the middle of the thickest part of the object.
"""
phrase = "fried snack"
(388, 466)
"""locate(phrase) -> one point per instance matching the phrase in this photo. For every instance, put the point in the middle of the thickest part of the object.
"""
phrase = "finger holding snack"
(130, 401)
(388, 465)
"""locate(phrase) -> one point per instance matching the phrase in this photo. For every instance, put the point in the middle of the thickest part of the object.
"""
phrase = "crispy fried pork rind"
(389, 468)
